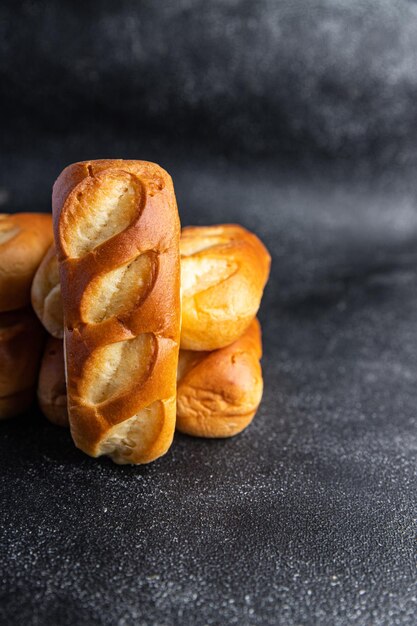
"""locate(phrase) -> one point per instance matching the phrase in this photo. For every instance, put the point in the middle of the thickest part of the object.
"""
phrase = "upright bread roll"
(46, 294)
(24, 239)
(21, 342)
(52, 389)
(219, 392)
(223, 273)
(116, 230)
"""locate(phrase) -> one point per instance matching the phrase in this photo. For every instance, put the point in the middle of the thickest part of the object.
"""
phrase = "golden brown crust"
(21, 343)
(52, 389)
(219, 392)
(223, 273)
(116, 233)
(24, 239)
(46, 295)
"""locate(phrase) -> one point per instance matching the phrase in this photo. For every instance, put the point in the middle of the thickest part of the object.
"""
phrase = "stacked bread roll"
(120, 292)
(24, 239)
(223, 273)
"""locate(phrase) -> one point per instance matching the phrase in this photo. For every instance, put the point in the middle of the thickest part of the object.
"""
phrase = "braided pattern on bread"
(116, 232)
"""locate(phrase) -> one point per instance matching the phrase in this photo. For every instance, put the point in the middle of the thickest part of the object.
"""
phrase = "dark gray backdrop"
(299, 120)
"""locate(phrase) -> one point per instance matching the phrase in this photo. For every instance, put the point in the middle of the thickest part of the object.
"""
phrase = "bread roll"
(46, 295)
(24, 239)
(52, 389)
(21, 343)
(223, 273)
(116, 230)
(219, 392)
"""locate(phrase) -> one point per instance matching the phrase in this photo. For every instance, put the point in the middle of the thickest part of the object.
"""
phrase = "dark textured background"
(299, 120)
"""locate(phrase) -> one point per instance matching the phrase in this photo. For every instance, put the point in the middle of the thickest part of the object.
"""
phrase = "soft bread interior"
(193, 245)
(129, 440)
(118, 291)
(53, 313)
(187, 360)
(99, 212)
(201, 273)
(50, 303)
(52, 274)
(7, 230)
(110, 371)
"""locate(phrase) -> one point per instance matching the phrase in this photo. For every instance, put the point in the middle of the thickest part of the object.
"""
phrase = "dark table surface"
(308, 517)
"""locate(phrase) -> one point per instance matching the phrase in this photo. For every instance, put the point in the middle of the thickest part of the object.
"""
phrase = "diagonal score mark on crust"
(201, 273)
(52, 273)
(120, 290)
(7, 230)
(98, 211)
(110, 370)
(53, 310)
(194, 245)
(50, 283)
(134, 436)
(46, 294)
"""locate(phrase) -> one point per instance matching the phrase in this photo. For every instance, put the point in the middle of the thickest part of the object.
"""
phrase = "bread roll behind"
(21, 342)
(219, 392)
(24, 239)
(52, 389)
(223, 273)
(46, 294)
(116, 232)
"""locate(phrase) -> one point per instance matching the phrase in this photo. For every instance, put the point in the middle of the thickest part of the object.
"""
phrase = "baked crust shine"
(116, 230)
